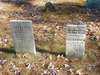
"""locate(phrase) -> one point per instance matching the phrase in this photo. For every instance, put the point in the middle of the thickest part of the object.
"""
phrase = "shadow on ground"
(12, 51)
(7, 50)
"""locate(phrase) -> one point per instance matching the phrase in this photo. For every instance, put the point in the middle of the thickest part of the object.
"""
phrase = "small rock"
(1, 67)
(51, 66)
(66, 59)
(29, 66)
(66, 66)
(50, 57)
(72, 71)
(45, 72)
(1, 52)
(15, 68)
(80, 72)
(62, 56)
(58, 56)
(17, 72)
(2, 62)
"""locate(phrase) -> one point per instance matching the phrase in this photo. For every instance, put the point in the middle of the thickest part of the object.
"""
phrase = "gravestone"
(75, 40)
(22, 36)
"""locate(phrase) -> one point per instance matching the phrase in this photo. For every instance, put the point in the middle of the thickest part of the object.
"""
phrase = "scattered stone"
(2, 62)
(29, 66)
(1, 67)
(51, 66)
(80, 72)
(58, 56)
(67, 66)
(50, 57)
(45, 72)
(66, 59)
(72, 71)
(17, 72)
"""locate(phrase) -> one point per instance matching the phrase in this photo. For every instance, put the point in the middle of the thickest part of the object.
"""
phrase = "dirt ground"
(49, 36)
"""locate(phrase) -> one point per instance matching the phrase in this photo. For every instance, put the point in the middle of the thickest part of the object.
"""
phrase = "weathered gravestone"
(75, 40)
(22, 36)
